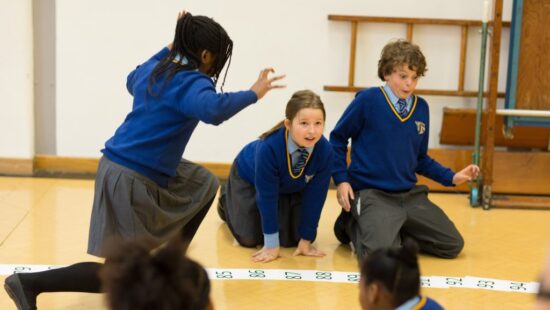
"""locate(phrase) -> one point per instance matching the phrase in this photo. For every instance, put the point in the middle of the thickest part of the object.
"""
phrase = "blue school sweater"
(266, 164)
(386, 149)
(420, 303)
(152, 138)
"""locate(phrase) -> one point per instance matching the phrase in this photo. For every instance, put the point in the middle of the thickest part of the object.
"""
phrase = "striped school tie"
(301, 162)
(402, 107)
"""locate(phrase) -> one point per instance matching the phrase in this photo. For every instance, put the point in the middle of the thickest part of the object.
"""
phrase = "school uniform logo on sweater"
(420, 127)
(309, 177)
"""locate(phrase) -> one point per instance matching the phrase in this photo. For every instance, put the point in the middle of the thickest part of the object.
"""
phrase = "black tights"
(190, 229)
(84, 277)
(80, 277)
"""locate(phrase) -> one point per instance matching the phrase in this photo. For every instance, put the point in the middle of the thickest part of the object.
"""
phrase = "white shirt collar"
(292, 146)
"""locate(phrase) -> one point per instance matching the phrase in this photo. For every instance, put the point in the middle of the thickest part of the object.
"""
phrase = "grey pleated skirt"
(129, 206)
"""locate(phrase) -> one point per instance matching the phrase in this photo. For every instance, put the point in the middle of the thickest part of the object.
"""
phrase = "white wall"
(16, 79)
(99, 42)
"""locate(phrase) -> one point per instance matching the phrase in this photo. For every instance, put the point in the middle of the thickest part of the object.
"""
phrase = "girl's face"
(306, 128)
(402, 81)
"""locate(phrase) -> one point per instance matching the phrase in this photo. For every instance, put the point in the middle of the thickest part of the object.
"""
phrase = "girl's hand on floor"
(266, 255)
(307, 249)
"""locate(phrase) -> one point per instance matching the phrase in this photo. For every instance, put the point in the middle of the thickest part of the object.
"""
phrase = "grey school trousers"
(382, 219)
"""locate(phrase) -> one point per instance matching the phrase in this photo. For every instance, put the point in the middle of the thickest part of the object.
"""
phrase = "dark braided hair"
(396, 269)
(194, 34)
(136, 278)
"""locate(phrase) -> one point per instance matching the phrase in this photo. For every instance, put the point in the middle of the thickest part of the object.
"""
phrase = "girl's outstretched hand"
(467, 174)
(265, 83)
(307, 249)
(265, 255)
(181, 14)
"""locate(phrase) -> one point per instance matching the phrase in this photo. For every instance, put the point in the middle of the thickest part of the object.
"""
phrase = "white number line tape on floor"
(329, 277)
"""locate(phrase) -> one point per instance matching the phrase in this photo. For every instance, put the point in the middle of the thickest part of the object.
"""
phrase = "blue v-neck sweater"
(152, 138)
(266, 165)
(386, 149)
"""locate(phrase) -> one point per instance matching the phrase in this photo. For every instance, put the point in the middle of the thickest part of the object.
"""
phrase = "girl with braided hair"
(143, 187)
(390, 279)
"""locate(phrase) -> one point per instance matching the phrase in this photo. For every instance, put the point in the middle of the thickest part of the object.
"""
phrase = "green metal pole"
(475, 186)
(481, 88)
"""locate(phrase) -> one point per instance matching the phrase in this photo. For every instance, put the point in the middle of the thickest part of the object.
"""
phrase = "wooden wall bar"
(353, 48)
(488, 131)
(433, 92)
(463, 50)
(410, 22)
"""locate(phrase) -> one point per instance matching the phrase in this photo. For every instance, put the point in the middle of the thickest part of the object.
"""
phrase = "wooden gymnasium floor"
(45, 221)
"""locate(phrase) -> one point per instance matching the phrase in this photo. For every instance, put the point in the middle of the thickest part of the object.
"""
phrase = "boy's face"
(402, 81)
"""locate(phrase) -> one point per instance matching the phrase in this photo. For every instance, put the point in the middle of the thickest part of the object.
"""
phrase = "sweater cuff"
(307, 233)
(271, 240)
(449, 178)
(251, 96)
(340, 177)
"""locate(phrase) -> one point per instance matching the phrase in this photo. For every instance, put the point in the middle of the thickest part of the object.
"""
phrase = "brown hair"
(136, 278)
(399, 53)
(301, 99)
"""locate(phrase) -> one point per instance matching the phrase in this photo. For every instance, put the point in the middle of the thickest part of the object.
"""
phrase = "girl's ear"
(287, 123)
(210, 305)
(207, 57)
(373, 292)
(207, 62)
